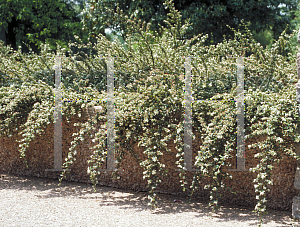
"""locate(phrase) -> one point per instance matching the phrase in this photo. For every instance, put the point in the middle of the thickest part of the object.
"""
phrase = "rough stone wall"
(40, 158)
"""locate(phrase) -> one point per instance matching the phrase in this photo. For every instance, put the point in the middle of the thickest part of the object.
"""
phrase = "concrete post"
(296, 199)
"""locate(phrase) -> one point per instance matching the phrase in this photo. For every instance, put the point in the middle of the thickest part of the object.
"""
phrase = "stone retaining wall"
(40, 158)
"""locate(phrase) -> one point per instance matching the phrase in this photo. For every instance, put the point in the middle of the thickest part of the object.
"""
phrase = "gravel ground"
(32, 201)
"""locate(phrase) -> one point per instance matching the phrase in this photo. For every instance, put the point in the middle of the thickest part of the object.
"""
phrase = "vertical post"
(296, 199)
(188, 117)
(240, 160)
(110, 115)
(57, 118)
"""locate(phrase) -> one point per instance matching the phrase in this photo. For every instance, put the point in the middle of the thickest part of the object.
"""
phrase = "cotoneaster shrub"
(149, 94)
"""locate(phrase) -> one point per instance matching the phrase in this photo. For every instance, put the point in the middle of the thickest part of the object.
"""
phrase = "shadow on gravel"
(126, 199)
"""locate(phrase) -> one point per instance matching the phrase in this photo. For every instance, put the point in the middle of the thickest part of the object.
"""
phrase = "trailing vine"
(149, 97)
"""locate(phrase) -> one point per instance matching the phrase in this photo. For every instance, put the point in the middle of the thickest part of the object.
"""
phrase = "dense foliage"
(206, 17)
(40, 21)
(149, 96)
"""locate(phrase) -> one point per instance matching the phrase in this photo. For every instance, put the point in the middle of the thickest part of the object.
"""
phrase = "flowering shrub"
(149, 97)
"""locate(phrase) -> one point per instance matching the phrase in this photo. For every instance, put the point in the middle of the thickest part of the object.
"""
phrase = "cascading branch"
(149, 96)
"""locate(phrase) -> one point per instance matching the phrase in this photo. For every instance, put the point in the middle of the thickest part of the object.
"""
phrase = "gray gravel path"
(31, 201)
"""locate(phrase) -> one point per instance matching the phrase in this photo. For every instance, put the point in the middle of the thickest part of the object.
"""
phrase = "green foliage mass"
(206, 17)
(39, 21)
(149, 100)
